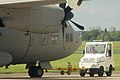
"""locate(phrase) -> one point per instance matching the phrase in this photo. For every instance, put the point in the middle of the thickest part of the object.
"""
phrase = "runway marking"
(57, 76)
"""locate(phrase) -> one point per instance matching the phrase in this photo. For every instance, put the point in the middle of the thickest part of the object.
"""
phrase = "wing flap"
(27, 3)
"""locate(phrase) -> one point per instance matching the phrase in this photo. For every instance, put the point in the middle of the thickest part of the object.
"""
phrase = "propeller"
(69, 15)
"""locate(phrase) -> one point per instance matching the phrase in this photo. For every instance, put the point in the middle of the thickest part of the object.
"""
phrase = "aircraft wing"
(27, 3)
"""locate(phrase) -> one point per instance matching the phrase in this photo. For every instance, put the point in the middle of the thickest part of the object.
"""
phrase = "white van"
(98, 58)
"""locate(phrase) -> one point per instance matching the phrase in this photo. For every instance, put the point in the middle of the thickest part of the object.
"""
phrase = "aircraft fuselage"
(26, 47)
(37, 34)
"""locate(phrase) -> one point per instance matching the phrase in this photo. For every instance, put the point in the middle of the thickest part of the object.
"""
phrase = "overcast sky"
(102, 13)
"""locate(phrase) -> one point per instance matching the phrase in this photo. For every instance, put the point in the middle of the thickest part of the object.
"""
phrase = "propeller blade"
(79, 26)
(62, 5)
(68, 9)
(63, 31)
(79, 2)
(74, 3)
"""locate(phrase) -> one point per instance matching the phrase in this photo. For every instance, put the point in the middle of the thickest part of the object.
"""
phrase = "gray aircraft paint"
(31, 47)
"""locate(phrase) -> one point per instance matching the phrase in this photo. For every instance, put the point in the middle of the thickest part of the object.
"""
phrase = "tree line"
(100, 35)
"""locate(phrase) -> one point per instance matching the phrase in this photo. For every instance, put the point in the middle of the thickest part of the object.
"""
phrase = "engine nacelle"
(5, 58)
(41, 19)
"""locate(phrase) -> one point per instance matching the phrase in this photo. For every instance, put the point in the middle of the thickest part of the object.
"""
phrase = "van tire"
(109, 73)
(91, 74)
(101, 71)
(82, 73)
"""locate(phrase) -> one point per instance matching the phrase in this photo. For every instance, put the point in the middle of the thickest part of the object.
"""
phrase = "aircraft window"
(71, 37)
(67, 37)
(44, 39)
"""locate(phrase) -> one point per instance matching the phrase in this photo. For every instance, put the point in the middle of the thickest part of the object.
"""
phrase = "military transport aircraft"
(35, 32)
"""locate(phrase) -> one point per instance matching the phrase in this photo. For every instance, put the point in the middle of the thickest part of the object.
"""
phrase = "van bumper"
(90, 70)
(93, 70)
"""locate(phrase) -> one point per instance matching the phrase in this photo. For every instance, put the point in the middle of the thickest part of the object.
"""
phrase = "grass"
(117, 62)
(14, 69)
(116, 46)
(73, 59)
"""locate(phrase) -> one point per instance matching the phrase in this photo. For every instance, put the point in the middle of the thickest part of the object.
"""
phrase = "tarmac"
(58, 76)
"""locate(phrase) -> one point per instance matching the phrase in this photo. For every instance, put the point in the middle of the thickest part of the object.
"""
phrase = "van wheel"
(82, 73)
(101, 71)
(91, 74)
(109, 73)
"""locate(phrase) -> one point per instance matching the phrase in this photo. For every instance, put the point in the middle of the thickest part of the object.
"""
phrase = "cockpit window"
(95, 48)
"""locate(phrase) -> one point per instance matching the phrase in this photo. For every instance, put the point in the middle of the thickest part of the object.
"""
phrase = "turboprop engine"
(40, 19)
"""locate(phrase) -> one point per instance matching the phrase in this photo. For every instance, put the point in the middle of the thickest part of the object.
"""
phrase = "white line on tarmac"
(57, 76)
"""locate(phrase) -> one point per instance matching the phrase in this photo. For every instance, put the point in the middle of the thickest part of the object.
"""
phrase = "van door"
(108, 56)
(109, 50)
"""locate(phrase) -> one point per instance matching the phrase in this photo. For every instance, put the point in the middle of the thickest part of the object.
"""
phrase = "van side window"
(109, 50)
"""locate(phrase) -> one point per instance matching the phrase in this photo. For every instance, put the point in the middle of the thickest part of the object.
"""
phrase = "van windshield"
(95, 48)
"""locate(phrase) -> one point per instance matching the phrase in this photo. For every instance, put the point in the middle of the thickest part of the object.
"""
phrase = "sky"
(100, 13)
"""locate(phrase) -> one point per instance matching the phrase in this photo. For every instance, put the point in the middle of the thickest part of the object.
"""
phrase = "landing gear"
(35, 71)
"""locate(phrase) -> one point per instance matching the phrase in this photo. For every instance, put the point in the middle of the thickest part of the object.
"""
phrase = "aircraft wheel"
(62, 72)
(35, 71)
(69, 72)
(109, 73)
(101, 71)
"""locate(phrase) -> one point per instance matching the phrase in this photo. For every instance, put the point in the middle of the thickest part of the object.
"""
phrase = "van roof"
(99, 43)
